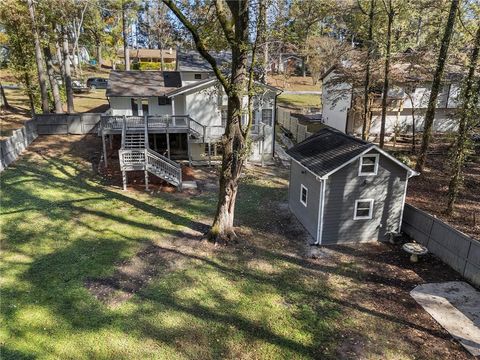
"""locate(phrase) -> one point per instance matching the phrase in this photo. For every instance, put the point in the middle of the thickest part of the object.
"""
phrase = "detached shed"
(344, 190)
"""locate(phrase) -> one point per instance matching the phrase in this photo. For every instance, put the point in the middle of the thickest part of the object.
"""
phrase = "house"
(407, 99)
(178, 116)
(344, 190)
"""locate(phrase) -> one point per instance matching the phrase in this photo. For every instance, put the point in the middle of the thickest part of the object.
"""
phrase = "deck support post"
(168, 143)
(110, 139)
(105, 162)
(146, 180)
(155, 142)
(189, 150)
(124, 180)
(209, 154)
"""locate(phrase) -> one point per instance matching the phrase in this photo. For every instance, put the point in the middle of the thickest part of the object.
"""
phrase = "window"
(267, 115)
(224, 118)
(197, 76)
(368, 165)
(363, 209)
(163, 100)
(303, 195)
(134, 106)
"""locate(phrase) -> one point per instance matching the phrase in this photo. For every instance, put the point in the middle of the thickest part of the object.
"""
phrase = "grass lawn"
(299, 101)
(92, 272)
(63, 229)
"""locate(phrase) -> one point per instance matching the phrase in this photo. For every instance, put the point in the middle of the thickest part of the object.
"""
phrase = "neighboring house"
(183, 119)
(149, 55)
(195, 68)
(342, 105)
(343, 189)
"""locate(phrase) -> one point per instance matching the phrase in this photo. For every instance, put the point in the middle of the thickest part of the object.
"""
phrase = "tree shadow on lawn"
(56, 280)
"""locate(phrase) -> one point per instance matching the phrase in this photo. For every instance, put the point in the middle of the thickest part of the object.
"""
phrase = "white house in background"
(342, 104)
(178, 115)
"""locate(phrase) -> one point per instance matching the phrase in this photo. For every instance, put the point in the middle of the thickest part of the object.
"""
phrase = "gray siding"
(345, 186)
(307, 215)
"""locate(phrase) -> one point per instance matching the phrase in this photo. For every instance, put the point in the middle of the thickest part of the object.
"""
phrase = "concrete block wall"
(11, 147)
(459, 251)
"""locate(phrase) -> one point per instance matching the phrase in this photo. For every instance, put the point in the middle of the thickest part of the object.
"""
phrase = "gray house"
(343, 189)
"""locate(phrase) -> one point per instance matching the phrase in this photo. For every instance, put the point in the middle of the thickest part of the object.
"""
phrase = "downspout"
(275, 121)
(321, 207)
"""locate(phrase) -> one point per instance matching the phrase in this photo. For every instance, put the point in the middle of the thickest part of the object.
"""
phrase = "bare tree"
(53, 82)
(468, 112)
(42, 77)
(68, 72)
(436, 83)
(390, 15)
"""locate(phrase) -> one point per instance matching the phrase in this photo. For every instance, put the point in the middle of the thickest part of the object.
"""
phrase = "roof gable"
(329, 150)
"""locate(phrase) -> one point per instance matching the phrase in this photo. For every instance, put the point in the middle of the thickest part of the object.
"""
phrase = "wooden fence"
(454, 248)
(290, 123)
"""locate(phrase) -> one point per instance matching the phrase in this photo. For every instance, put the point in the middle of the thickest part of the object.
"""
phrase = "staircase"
(135, 154)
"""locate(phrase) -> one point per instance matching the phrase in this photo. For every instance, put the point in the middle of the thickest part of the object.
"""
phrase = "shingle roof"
(169, 54)
(193, 61)
(142, 83)
(326, 150)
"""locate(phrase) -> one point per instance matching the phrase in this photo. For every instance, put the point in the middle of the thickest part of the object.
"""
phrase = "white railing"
(147, 159)
(163, 167)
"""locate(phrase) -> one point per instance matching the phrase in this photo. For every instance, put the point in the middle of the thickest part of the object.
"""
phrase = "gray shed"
(343, 189)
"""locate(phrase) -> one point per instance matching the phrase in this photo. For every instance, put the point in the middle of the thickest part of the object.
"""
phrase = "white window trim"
(370, 213)
(376, 156)
(306, 194)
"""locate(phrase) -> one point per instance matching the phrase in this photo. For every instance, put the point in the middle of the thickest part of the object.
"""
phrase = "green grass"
(300, 100)
(61, 226)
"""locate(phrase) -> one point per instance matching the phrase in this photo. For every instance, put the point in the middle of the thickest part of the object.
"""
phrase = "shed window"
(303, 195)
(363, 209)
(368, 165)
(198, 76)
(267, 115)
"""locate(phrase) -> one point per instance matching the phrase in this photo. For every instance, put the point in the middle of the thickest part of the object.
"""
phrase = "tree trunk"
(99, 55)
(126, 51)
(470, 102)
(31, 97)
(234, 144)
(386, 77)
(437, 80)
(3, 98)
(68, 75)
(53, 82)
(42, 77)
(371, 14)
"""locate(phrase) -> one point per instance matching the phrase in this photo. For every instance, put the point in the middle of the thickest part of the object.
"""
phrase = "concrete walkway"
(456, 306)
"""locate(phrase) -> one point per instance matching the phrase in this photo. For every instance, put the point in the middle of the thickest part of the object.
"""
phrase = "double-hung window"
(363, 209)
(303, 195)
(267, 115)
(368, 165)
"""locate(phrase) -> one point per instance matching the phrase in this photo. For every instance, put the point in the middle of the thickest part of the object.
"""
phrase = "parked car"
(97, 83)
(79, 87)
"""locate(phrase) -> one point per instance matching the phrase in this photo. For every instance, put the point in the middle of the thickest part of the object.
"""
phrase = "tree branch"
(199, 43)
(224, 22)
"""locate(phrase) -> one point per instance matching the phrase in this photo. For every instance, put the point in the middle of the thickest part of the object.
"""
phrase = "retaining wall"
(11, 147)
(454, 248)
